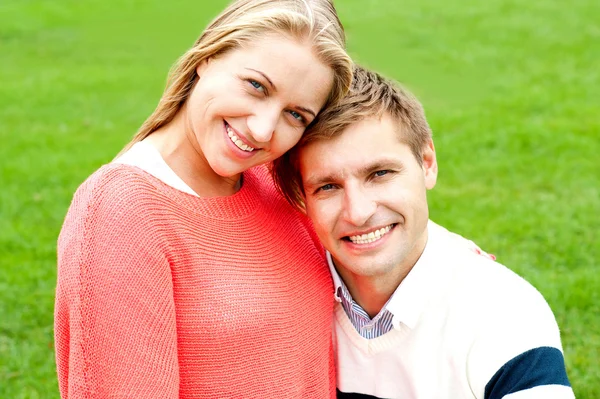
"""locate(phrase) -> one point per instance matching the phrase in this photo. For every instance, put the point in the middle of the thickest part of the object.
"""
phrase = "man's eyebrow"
(264, 76)
(317, 180)
(381, 164)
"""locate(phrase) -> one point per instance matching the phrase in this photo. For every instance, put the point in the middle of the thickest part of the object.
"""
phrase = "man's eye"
(326, 187)
(380, 173)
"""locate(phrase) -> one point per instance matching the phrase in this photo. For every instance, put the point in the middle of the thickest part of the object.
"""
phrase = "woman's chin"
(229, 171)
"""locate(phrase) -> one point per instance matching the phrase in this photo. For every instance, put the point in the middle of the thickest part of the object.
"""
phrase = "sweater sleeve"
(517, 352)
(115, 328)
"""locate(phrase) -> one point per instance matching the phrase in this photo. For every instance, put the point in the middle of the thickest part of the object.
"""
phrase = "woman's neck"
(181, 152)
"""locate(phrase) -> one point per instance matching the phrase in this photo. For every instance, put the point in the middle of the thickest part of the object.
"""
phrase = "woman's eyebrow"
(301, 108)
(309, 111)
(264, 76)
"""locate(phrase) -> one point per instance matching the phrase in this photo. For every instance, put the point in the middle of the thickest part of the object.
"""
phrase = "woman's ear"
(202, 66)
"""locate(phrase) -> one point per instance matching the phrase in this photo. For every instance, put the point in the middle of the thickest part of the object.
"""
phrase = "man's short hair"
(371, 96)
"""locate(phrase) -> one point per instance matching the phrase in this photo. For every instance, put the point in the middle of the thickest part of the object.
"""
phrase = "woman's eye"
(257, 85)
(297, 116)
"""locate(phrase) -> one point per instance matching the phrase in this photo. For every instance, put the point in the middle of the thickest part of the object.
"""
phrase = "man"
(419, 314)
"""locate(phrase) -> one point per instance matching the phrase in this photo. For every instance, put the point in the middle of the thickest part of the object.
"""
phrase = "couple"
(184, 273)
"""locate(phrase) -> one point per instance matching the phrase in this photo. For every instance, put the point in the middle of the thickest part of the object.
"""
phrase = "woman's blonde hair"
(240, 23)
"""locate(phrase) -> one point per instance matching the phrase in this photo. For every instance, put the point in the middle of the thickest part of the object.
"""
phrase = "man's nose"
(358, 205)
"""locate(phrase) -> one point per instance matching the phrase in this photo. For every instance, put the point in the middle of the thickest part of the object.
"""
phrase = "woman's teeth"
(370, 237)
(237, 141)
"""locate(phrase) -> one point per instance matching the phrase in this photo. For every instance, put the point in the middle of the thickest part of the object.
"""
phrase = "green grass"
(511, 88)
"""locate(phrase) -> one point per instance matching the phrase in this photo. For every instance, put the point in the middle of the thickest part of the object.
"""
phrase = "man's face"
(366, 195)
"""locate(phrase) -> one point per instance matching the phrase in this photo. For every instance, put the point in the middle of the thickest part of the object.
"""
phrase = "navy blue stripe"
(352, 395)
(536, 367)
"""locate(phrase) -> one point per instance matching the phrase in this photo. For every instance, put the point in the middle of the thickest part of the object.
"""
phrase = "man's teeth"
(370, 237)
(237, 141)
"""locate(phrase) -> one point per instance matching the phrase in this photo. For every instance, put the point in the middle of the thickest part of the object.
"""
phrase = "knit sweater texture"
(162, 294)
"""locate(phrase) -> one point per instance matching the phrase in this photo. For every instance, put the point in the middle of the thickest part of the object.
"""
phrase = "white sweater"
(464, 327)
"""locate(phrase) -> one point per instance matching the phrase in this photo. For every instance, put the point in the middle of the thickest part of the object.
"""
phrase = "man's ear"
(302, 208)
(430, 167)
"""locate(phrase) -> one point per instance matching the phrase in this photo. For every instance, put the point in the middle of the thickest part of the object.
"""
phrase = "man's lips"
(369, 236)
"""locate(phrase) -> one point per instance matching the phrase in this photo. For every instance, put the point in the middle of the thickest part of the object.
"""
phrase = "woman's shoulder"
(115, 176)
(261, 183)
(261, 174)
(113, 182)
(276, 207)
(111, 215)
(114, 191)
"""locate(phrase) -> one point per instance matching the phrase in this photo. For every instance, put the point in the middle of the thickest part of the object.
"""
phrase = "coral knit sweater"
(162, 294)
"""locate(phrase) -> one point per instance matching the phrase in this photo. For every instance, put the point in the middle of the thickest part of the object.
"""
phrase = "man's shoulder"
(468, 260)
(506, 324)
(494, 287)
(480, 283)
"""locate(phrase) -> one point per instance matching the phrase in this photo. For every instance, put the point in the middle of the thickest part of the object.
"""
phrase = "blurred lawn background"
(511, 88)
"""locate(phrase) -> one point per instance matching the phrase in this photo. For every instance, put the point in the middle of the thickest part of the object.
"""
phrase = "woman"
(181, 272)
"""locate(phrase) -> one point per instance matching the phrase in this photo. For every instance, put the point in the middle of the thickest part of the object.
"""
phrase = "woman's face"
(252, 104)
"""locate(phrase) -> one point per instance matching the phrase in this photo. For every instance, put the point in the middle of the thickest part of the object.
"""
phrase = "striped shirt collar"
(408, 300)
(364, 325)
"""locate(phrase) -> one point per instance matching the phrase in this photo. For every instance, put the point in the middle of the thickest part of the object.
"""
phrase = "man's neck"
(372, 292)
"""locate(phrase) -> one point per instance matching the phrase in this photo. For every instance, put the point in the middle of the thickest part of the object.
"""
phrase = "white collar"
(145, 156)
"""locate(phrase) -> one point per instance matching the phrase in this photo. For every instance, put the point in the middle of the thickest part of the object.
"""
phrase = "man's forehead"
(333, 153)
(370, 140)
